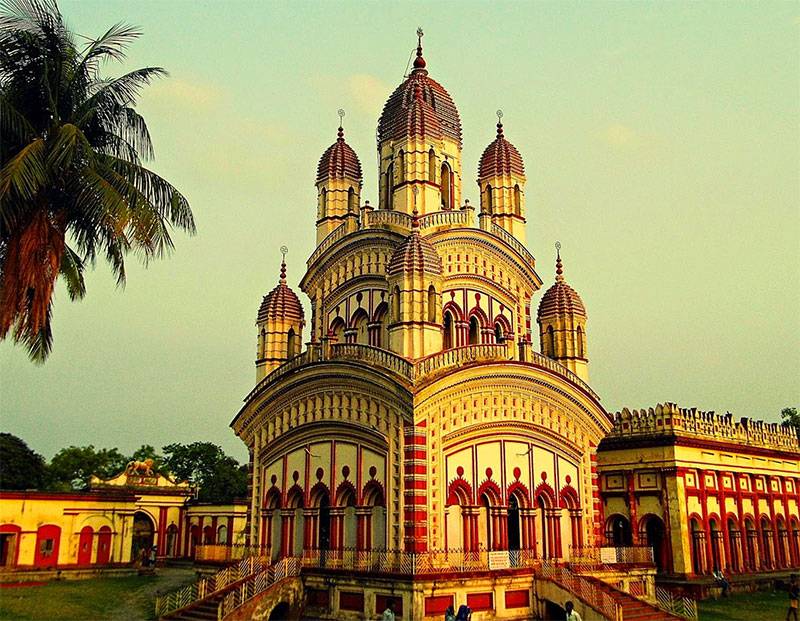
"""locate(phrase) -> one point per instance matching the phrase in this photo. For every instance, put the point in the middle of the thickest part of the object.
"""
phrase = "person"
(450, 614)
(721, 581)
(388, 614)
(464, 613)
(153, 556)
(572, 614)
(794, 598)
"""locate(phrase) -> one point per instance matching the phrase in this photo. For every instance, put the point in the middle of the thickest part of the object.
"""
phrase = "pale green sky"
(661, 147)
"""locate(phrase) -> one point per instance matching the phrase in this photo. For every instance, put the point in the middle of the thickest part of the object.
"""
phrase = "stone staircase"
(633, 609)
(202, 610)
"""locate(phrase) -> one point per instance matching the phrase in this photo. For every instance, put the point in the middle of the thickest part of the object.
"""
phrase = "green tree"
(72, 183)
(72, 467)
(791, 418)
(20, 467)
(219, 477)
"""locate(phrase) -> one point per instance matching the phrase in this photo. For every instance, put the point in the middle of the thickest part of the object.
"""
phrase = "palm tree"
(72, 183)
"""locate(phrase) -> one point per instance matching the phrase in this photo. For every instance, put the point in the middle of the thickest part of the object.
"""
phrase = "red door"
(104, 545)
(47, 540)
(85, 546)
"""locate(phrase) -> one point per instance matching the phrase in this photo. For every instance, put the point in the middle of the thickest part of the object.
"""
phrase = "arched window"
(499, 337)
(579, 343)
(389, 185)
(716, 545)
(431, 166)
(513, 524)
(551, 342)
(381, 317)
(474, 331)
(432, 304)
(222, 535)
(449, 331)
(351, 201)
(402, 166)
(698, 546)
(735, 545)
(446, 184)
(618, 531)
(291, 343)
(766, 544)
(336, 331)
(359, 324)
(396, 304)
(517, 200)
(323, 203)
(489, 199)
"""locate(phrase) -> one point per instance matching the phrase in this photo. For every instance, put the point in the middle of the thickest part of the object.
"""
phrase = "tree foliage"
(20, 467)
(791, 418)
(72, 183)
(219, 477)
(72, 467)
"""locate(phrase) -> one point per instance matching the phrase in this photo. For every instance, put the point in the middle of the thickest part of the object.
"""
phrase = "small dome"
(415, 254)
(339, 162)
(281, 302)
(393, 123)
(561, 299)
(500, 158)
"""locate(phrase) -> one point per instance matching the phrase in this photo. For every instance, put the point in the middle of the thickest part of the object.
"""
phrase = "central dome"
(393, 123)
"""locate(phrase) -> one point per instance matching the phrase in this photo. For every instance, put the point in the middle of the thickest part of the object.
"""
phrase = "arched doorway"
(324, 526)
(654, 534)
(104, 545)
(513, 529)
(280, 612)
(618, 531)
(698, 546)
(85, 545)
(143, 530)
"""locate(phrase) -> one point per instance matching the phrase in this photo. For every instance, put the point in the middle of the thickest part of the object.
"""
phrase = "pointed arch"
(568, 497)
(396, 304)
(432, 304)
(272, 499)
(319, 494)
(546, 493)
(455, 309)
(346, 494)
(389, 186)
(518, 490)
(517, 200)
(295, 497)
(372, 494)
(489, 200)
(502, 329)
(491, 490)
(336, 330)
(351, 200)
(431, 166)
(459, 492)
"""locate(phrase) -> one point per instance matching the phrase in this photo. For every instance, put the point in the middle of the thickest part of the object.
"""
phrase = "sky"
(661, 147)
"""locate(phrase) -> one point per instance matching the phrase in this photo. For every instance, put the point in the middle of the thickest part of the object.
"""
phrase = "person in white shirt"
(572, 615)
(388, 614)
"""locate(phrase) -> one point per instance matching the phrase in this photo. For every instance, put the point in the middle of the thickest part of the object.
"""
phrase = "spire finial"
(415, 213)
(284, 250)
(340, 112)
(559, 266)
(419, 61)
(499, 123)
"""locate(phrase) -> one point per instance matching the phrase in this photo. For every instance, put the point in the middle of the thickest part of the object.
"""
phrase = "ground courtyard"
(131, 599)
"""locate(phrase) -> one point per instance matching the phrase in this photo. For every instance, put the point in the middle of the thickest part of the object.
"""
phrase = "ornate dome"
(395, 119)
(500, 158)
(281, 302)
(339, 161)
(415, 254)
(561, 299)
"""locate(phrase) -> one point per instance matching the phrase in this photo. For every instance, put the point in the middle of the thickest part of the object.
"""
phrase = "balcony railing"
(220, 552)
(380, 218)
(334, 236)
(440, 361)
(374, 356)
(610, 556)
(512, 241)
(451, 218)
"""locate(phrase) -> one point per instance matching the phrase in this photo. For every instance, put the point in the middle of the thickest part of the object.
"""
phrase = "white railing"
(559, 369)
(373, 355)
(334, 236)
(585, 590)
(454, 217)
(385, 218)
(454, 560)
(459, 356)
(207, 587)
(257, 584)
(499, 231)
(609, 556)
(678, 605)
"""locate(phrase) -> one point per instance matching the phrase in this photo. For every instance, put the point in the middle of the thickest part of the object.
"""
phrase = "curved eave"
(562, 384)
(347, 243)
(330, 371)
(503, 246)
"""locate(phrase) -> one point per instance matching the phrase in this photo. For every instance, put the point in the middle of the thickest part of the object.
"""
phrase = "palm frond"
(25, 173)
(110, 46)
(72, 272)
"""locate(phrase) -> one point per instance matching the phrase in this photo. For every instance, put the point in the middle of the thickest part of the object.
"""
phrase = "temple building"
(426, 432)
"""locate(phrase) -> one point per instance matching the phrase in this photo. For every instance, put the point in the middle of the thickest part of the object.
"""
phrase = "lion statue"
(141, 468)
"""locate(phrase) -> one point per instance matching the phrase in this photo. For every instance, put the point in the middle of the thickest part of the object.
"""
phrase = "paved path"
(139, 603)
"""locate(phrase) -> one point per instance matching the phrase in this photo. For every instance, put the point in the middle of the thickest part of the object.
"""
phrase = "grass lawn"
(758, 606)
(100, 599)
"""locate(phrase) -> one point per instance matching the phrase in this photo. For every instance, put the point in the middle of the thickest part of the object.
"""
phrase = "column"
(287, 532)
(364, 528)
